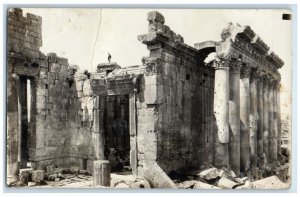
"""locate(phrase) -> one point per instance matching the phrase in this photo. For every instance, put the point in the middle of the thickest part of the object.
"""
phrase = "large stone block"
(156, 16)
(101, 173)
(37, 176)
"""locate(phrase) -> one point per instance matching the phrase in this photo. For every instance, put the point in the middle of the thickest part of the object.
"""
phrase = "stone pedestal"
(244, 115)
(221, 112)
(101, 173)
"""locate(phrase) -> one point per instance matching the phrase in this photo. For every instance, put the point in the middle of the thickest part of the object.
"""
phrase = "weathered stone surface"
(101, 173)
(272, 182)
(122, 186)
(187, 184)
(31, 184)
(74, 170)
(201, 185)
(157, 177)
(140, 183)
(37, 176)
(209, 174)
(25, 175)
(226, 183)
(52, 177)
(155, 16)
(239, 180)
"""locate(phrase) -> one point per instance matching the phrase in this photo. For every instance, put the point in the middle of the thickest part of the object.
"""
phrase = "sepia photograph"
(148, 98)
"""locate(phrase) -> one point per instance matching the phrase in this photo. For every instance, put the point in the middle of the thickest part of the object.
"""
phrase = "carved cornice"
(260, 45)
(242, 41)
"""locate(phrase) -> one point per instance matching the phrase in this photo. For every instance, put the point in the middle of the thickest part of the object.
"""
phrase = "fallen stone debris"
(214, 178)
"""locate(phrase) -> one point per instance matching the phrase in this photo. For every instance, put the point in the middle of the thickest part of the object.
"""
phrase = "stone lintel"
(110, 66)
(26, 71)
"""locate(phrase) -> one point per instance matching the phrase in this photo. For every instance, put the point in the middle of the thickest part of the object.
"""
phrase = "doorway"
(24, 111)
(117, 138)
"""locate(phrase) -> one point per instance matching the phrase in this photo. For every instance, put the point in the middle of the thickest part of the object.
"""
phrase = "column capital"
(255, 74)
(245, 71)
(221, 63)
(235, 65)
(273, 83)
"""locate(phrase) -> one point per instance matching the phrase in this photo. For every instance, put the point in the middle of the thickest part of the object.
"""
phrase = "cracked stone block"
(226, 183)
(37, 176)
(209, 174)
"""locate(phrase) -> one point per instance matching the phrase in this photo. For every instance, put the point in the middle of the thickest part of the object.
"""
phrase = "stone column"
(271, 123)
(221, 112)
(13, 127)
(234, 116)
(266, 119)
(274, 129)
(133, 134)
(101, 173)
(98, 130)
(244, 115)
(278, 120)
(260, 121)
(253, 120)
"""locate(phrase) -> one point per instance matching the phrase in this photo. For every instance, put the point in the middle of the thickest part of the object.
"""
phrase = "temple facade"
(174, 112)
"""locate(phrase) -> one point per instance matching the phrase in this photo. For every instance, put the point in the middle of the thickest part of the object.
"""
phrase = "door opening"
(117, 138)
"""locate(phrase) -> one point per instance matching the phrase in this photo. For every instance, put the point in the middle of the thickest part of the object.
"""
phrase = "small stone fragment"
(31, 184)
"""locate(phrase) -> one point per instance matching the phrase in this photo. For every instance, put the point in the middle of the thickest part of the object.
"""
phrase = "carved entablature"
(260, 45)
(246, 34)
(272, 57)
(243, 42)
(122, 85)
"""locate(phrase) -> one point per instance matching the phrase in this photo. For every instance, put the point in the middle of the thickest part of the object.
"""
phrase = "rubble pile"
(214, 178)
(30, 177)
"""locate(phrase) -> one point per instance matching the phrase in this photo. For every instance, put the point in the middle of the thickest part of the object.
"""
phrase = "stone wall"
(64, 116)
(23, 43)
(60, 129)
(175, 114)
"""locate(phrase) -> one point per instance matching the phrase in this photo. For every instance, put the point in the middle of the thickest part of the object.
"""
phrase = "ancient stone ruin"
(174, 117)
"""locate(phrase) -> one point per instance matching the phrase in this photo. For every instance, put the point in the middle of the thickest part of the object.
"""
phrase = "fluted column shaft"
(221, 112)
(271, 123)
(253, 119)
(260, 121)
(266, 120)
(244, 116)
(234, 116)
(278, 120)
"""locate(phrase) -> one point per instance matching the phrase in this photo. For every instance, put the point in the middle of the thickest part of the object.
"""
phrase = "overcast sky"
(72, 33)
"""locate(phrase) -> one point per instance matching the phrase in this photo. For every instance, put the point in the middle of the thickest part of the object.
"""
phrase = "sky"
(73, 33)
